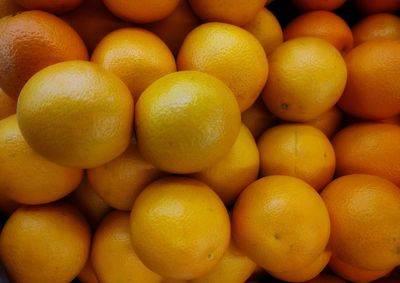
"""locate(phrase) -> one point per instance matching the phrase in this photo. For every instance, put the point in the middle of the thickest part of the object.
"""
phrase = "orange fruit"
(234, 267)
(7, 205)
(307, 77)
(87, 274)
(274, 222)
(323, 24)
(310, 5)
(186, 121)
(76, 113)
(230, 53)
(355, 274)
(113, 258)
(364, 212)
(326, 278)
(8, 106)
(328, 122)
(9, 7)
(27, 177)
(381, 6)
(235, 171)
(174, 28)
(373, 68)
(47, 243)
(378, 26)
(93, 21)
(89, 203)
(179, 228)
(121, 180)
(141, 11)
(368, 148)
(57, 7)
(297, 150)
(169, 280)
(266, 28)
(257, 118)
(306, 273)
(30, 41)
(137, 56)
(236, 12)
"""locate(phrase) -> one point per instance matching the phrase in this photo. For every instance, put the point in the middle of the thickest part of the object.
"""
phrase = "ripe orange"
(257, 118)
(9, 7)
(179, 228)
(230, 53)
(137, 56)
(381, 6)
(121, 180)
(186, 121)
(373, 67)
(139, 11)
(329, 122)
(274, 222)
(30, 41)
(89, 203)
(92, 21)
(8, 106)
(266, 28)
(307, 77)
(27, 177)
(364, 212)
(87, 274)
(47, 243)
(326, 278)
(113, 258)
(297, 150)
(236, 12)
(310, 5)
(234, 267)
(235, 171)
(323, 24)
(368, 148)
(57, 7)
(174, 28)
(377, 26)
(76, 113)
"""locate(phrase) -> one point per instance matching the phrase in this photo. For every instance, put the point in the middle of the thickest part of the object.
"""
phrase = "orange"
(257, 118)
(378, 26)
(235, 171)
(234, 267)
(326, 278)
(328, 122)
(87, 274)
(236, 12)
(373, 67)
(297, 150)
(113, 258)
(139, 11)
(266, 28)
(310, 5)
(355, 274)
(30, 41)
(274, 222)
(27, 177)
(57, 7)
(7, 205)
(307, 77)
(121, 180)
(364, 212)
(9, 7)
(186, 121)
(230, 53)
(89, 203)
(174, 28)
(306, 273)
(47, 243)
(369, 148)
(76, 113)
(92, 21)
(381, 6)
(323, 24)
(179, 228)
(137, 56)
(169, 280)
(8, 106)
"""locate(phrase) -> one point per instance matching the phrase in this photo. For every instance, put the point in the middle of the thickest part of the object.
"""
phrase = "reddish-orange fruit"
(329, 122)
(87, 274)
(310, 5)
(377, 6)
(322, 24)
(51, 6)
(257, 118)
(326, 278)
(9, 7)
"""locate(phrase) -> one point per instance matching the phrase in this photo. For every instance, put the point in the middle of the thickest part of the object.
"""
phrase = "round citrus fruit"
(9, 7)
(87, 274)
(58, 7)
(8, 106)
(326, 278)
(257, 118)
(328, 122)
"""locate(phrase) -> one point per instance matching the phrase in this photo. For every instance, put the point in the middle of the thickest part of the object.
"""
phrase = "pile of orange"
(200, 141)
